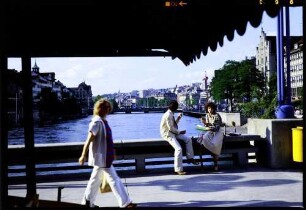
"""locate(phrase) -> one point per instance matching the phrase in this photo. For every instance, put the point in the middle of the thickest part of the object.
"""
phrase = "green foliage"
(242, 83)
(151, 102)
(164, 102)
(97, 98)
(237, 81)
(251, 109)
(264, 107)
(114, 104)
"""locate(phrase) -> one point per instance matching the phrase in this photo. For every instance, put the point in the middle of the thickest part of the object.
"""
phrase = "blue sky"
(109, 75)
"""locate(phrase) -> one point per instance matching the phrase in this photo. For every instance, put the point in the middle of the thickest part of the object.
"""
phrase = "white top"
(167, 125)
(97, 148)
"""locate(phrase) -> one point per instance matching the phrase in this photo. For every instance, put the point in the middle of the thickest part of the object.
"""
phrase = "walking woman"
(212, 139)
(99, 143)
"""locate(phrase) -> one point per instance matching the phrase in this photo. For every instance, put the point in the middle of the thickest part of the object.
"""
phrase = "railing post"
(59, 193)
(140, 164)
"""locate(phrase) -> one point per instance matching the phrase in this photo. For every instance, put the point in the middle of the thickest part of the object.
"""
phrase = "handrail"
(62, 158)
(70, 152)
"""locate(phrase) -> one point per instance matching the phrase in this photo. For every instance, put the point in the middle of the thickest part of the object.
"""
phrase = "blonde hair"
(99, 106)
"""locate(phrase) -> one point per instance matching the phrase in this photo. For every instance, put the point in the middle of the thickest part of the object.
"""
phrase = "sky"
(125, 74)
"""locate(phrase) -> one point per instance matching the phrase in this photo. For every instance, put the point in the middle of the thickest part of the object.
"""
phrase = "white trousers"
(114, 182)
(178, 152)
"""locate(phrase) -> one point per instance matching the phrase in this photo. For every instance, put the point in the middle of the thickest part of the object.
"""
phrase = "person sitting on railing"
(169, 132)
(212, 139)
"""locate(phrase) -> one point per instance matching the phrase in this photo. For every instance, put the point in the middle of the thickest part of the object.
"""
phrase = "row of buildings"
(196, 95)
(44, 85)
(266, 61)
(193, 96)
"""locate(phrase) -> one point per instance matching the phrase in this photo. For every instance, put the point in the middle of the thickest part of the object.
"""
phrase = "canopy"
(92, 28)
(182, 29)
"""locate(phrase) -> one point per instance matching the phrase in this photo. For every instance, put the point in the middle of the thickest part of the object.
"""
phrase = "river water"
(124, 127)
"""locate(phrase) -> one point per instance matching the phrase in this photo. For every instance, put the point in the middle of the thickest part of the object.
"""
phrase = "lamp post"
(283, 110)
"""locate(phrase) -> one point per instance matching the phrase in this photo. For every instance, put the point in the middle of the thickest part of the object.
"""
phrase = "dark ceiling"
(94, 28)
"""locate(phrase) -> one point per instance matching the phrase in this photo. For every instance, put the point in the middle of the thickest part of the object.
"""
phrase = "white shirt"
(97, 148)
(167, 125)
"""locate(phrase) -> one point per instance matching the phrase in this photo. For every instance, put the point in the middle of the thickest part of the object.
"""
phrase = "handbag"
(104, 186)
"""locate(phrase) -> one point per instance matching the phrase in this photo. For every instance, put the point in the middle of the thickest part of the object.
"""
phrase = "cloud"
(97, 73)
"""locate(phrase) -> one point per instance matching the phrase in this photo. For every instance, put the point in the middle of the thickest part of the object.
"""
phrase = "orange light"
(167, 3)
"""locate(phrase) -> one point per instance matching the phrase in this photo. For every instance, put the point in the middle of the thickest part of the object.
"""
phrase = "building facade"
(266, 55)
(266, 61)
(296, 69)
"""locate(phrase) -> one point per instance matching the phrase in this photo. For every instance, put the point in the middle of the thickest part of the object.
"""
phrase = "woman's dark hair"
(173, 105)
(212, 105)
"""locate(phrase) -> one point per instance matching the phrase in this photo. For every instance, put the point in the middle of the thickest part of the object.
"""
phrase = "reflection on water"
(124, 126)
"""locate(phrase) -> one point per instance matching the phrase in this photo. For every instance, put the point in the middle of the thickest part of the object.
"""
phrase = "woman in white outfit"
(99, 142)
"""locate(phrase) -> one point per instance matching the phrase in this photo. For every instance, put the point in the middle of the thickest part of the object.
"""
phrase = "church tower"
(205, 79)
(35, 68)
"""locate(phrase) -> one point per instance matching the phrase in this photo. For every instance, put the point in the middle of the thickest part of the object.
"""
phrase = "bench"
(238, 146)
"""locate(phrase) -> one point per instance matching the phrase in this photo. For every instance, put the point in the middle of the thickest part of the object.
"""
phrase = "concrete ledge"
(279, 139)
(228, 118)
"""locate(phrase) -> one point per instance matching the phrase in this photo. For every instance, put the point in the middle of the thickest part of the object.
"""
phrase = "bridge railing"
(136, 154)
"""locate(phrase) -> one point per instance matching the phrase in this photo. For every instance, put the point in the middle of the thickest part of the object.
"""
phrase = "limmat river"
(124, 127)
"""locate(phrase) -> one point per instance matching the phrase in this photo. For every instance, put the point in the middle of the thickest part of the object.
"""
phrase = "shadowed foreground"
(230, 187)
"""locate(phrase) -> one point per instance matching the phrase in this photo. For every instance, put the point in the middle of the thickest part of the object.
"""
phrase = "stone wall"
(278, 133)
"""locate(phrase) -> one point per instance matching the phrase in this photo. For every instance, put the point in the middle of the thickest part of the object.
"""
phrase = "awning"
(91, 28)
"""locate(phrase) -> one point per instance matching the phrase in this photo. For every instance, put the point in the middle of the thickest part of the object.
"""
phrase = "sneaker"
(180, 172)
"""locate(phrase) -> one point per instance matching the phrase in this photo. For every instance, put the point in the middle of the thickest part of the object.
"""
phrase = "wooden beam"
(29, 128)
(3, 132)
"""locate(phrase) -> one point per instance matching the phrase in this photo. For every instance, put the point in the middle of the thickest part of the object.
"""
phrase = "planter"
(284, 112)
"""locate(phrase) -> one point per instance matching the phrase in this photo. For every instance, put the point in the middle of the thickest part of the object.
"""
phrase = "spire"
(205, 77)
(205, 81)
(35, 68)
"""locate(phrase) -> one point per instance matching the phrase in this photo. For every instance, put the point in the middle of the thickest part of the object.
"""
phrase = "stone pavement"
(230, 187)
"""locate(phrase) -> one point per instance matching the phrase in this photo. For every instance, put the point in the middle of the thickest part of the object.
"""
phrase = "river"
(124, 126)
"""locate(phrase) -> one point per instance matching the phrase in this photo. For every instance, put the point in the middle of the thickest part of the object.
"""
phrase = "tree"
(152, 101)
(114, 104)
(249, 82)
(97, 98)
(49, 104)
(237, 82)
(265, 106)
